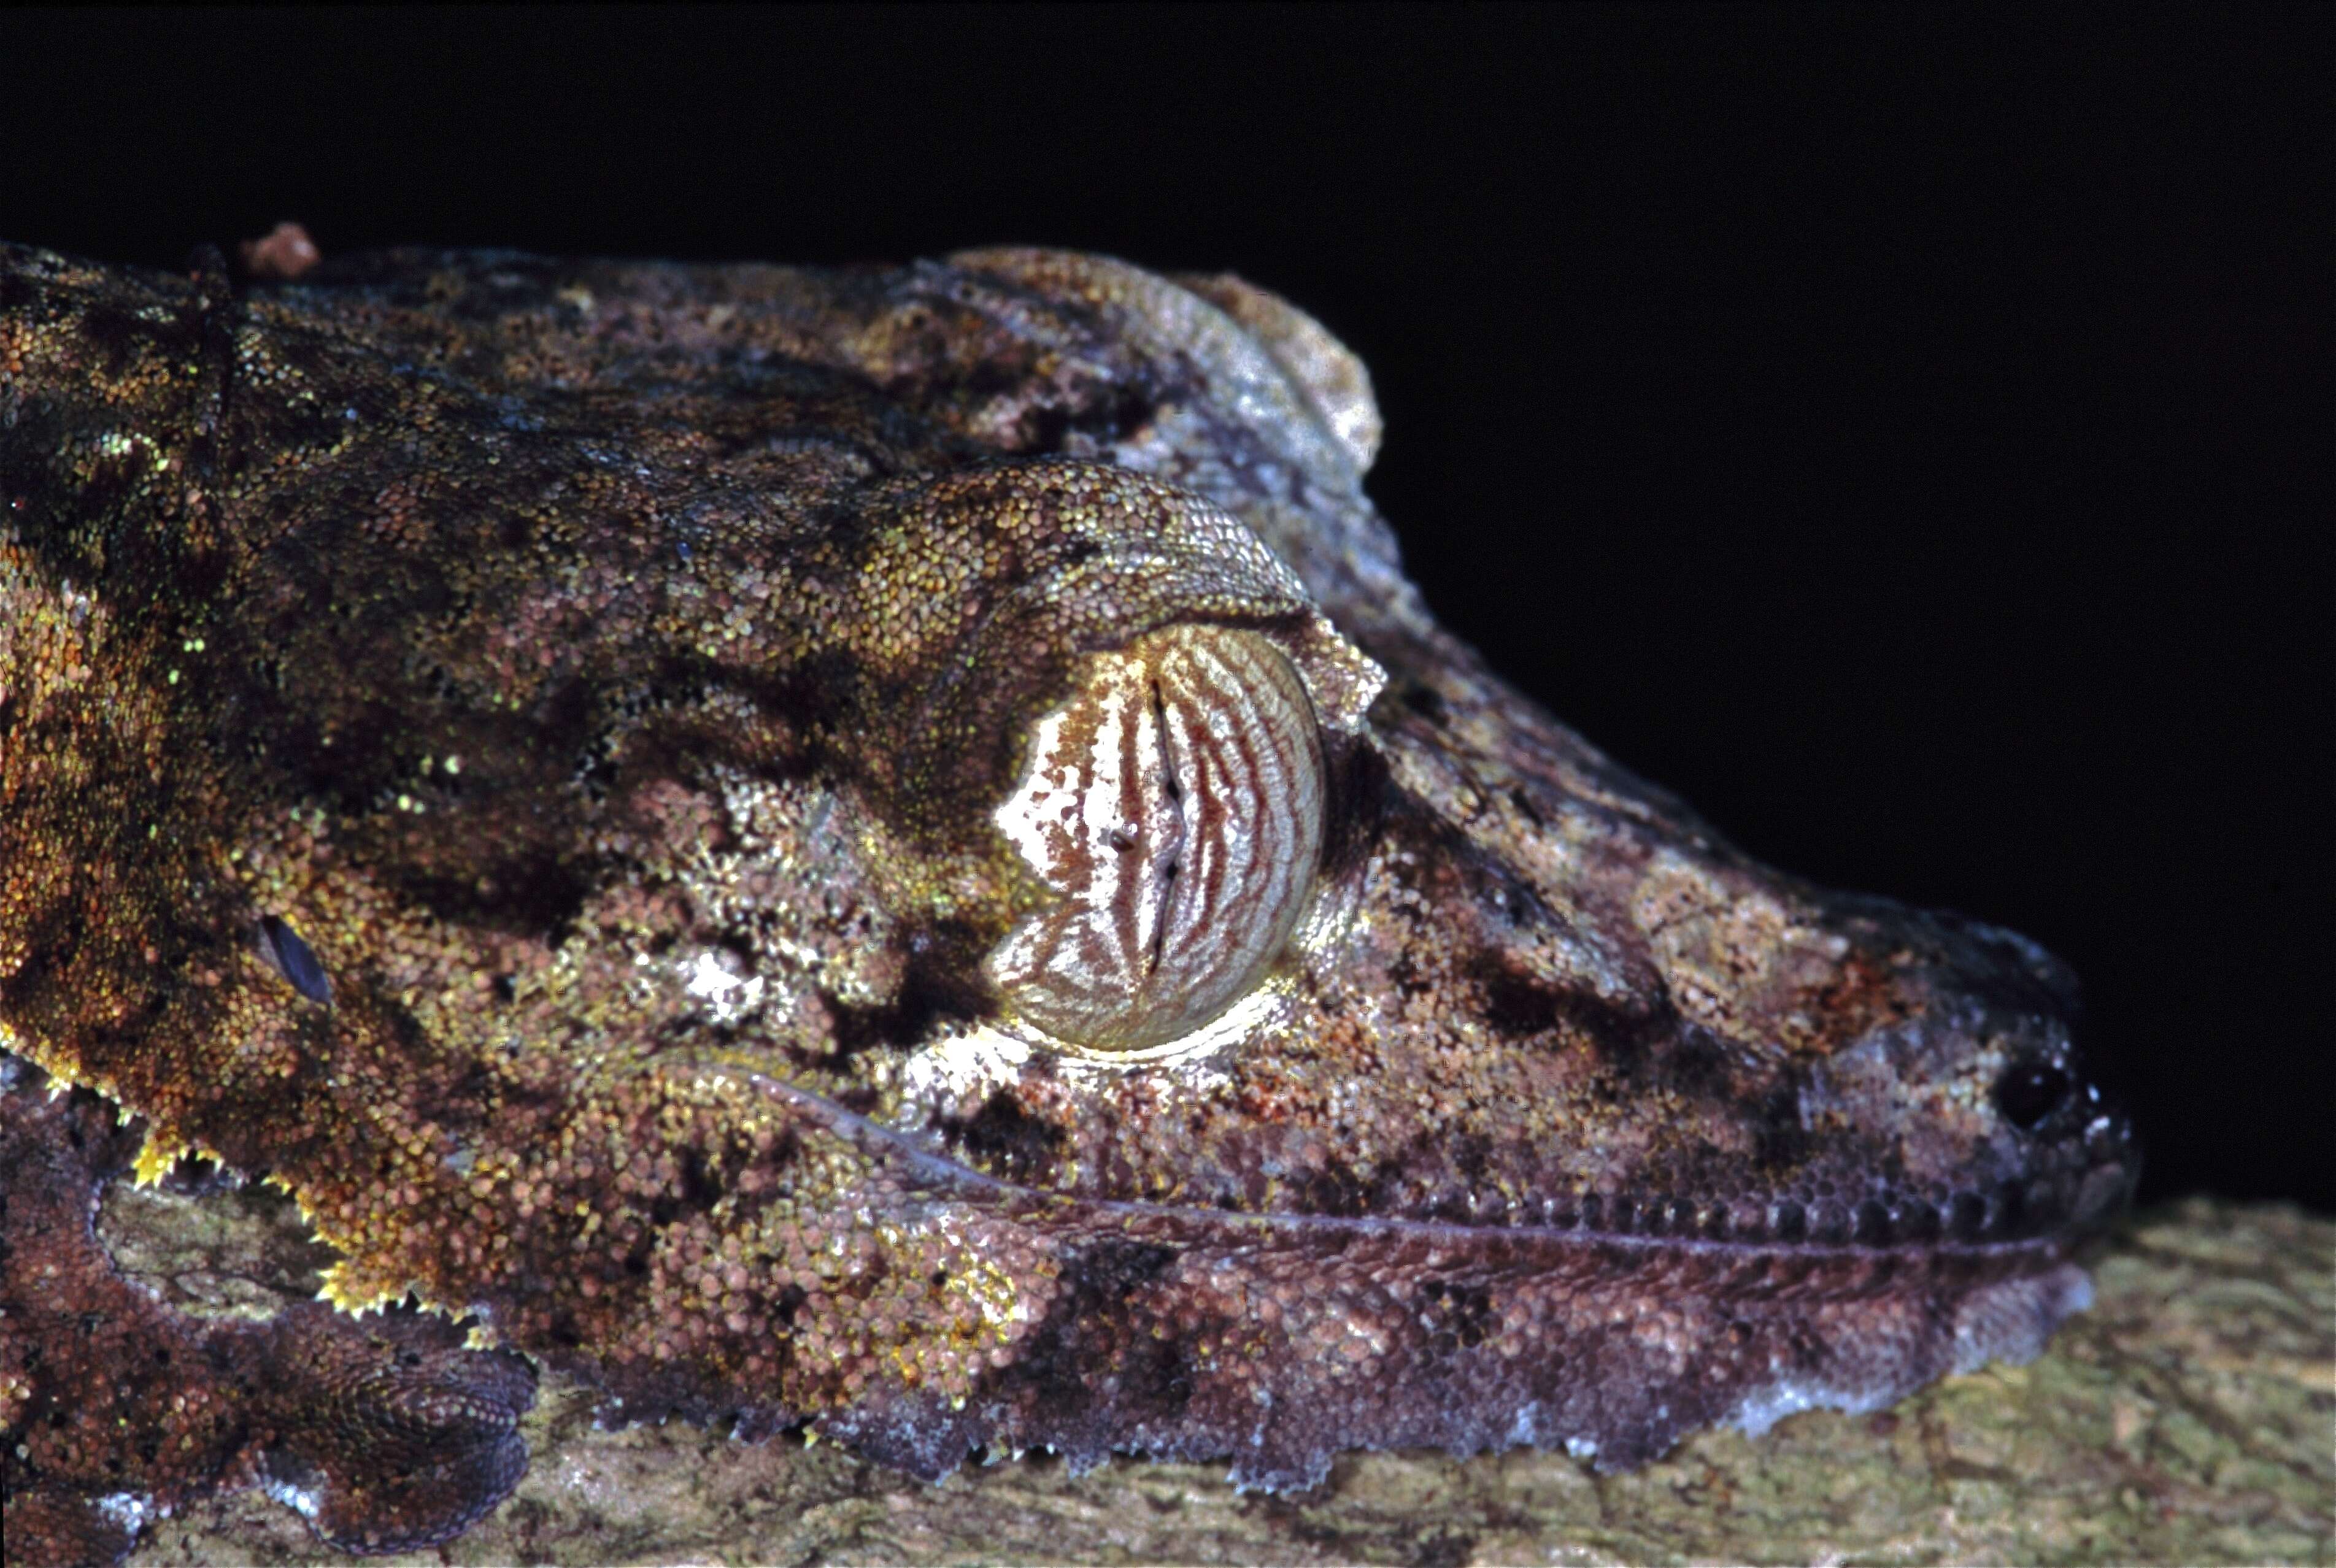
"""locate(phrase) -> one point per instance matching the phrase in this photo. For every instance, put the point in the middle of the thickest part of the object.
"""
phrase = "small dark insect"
(295, 960)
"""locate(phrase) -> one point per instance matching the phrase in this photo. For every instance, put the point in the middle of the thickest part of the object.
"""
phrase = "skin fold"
(511, 751)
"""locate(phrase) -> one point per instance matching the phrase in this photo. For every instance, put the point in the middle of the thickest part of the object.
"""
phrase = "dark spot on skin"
(54, 945)
(1112, 417)
(1424, 701)
(985, 378)
(810, 695)
(1511, 903)
(1517, 1004)
(1005, 1139)
(1779, 1142)
(696, 1192)
(1094, 1334)
(121, 335)
(1342, 1191)
(526, 891)
(1042, 429)
(1404, 975)
(1696, 1063)
(1628, 1040)
(940, 983)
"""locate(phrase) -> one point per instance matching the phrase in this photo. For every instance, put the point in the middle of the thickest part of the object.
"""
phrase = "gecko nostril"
(2029, 1091)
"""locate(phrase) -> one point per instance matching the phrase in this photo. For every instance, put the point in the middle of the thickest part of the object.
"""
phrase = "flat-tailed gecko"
(891, 847)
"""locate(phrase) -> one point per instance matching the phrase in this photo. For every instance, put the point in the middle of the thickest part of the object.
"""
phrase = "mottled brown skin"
(608, 670)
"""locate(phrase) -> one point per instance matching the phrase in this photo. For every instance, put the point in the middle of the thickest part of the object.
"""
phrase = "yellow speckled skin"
(609, 670)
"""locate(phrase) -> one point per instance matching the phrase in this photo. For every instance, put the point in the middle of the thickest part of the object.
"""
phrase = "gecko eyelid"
(1174, 805)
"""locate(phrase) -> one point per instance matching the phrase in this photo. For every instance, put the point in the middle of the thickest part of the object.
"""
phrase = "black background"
(1906, 432)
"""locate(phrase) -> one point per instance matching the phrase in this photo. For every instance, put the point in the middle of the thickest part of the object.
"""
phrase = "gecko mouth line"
(2104, 1190)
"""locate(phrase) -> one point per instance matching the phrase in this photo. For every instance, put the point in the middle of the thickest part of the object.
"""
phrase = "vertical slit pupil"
(1174, 786)
(1174, 790)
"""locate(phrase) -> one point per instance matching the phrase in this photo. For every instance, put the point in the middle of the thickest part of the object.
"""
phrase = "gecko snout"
(2053, 1094)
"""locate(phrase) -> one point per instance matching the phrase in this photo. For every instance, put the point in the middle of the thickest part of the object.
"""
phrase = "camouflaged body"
(608, 671)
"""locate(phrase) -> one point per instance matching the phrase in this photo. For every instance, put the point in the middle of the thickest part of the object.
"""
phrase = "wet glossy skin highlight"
(514, 750)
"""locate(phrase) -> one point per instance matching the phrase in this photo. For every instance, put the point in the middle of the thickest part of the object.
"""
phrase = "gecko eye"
(1174, 804)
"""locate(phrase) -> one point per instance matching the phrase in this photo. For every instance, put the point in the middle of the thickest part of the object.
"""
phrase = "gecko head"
(1443, 963)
